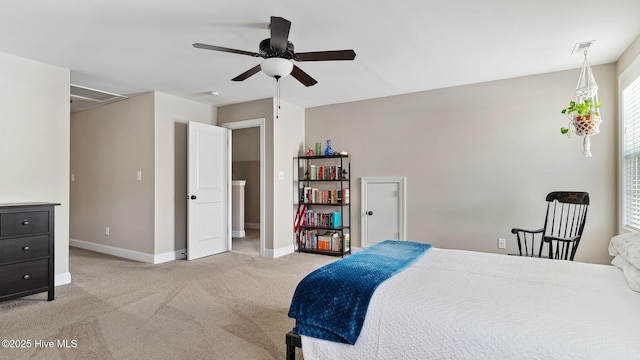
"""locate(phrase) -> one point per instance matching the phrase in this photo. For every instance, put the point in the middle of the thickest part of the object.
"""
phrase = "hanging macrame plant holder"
(585, 117)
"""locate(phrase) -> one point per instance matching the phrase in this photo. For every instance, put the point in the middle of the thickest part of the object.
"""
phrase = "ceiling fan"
(278, 53)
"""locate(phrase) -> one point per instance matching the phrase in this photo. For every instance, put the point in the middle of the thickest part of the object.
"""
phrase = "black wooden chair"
(562, 230)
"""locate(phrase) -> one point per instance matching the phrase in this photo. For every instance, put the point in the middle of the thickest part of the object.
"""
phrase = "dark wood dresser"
(26, 249)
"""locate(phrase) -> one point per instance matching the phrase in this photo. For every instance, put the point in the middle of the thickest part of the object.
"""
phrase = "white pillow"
(627, 245)
(631, 273)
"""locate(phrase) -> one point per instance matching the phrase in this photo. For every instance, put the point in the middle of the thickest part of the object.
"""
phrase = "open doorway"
(248, 176)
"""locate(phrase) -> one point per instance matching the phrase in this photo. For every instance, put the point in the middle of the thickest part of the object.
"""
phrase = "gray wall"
(479, 159)
(632, 52)
(284, 141)
(109, 145)
(246, 166)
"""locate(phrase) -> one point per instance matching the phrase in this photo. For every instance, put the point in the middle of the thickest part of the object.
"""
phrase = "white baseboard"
(170, 256)
(129, 254)
(238, 233)
(253, 226)
(112, 250)
(275, 253)
(62, 279)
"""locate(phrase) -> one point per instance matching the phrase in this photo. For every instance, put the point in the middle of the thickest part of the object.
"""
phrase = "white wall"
(480, 159)
(34, 142)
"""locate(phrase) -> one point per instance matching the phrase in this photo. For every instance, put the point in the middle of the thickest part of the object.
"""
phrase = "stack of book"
(327, 241)
(327, 219)
(333, 172)
(309, 195)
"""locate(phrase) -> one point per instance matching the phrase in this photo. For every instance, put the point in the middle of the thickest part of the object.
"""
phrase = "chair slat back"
(566, 217)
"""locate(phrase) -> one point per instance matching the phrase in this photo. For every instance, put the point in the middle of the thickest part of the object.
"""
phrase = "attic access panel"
(83, 98)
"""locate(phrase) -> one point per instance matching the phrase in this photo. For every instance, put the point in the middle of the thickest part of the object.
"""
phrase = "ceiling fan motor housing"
(266, 51)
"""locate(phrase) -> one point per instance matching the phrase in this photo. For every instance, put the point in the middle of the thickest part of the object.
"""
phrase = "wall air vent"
(83, 98)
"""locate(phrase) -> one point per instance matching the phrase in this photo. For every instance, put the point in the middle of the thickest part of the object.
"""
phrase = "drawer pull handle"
(26, 277)
(25, 222)
(25, 248)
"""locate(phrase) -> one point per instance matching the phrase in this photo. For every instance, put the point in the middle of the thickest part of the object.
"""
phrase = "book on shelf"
(336, 242)
(336, 219)
(305, 194)
(313, 172)
(310, 239)
(328, 241)
(323, 243)
(347, 241)
(345, 196)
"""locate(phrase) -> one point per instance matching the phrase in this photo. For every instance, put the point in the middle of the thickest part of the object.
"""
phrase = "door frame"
(401, 181)
(243, 124)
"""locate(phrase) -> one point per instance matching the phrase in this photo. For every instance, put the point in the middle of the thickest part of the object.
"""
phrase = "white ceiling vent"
(582, 47)
(83, 98)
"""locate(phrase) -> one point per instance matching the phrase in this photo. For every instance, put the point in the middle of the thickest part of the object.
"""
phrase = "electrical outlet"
(106, 231)
(502, 243)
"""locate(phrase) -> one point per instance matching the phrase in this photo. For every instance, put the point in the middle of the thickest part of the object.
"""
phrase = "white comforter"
(454, 304)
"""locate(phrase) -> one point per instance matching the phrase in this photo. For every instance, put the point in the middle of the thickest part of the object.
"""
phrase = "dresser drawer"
(24, 276)
(24, 223)
(24, 248)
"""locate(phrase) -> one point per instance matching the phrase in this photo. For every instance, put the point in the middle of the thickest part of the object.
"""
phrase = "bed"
(455, 304)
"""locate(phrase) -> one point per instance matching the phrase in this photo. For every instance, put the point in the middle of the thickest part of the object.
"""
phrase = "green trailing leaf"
(575, 110)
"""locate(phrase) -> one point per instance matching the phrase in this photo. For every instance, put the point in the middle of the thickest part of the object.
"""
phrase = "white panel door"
(382, 210)
(208, 229)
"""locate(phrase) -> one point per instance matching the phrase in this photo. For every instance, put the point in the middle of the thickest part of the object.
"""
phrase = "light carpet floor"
(226, 306)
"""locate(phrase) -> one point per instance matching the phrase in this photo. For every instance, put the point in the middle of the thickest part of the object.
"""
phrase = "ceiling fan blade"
(326, 55)
(303, 77)
(279, 32)
(245, 75)
(224, 49)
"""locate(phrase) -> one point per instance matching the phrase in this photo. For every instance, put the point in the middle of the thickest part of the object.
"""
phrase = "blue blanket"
(331, 302)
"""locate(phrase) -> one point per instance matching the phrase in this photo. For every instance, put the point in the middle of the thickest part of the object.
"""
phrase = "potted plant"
(584, 116)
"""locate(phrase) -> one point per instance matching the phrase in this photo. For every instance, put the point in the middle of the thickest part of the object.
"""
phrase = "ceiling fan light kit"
(276, 67)
(278, 54)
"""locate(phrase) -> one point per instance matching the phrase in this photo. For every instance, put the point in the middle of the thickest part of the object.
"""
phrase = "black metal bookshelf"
(324, 183)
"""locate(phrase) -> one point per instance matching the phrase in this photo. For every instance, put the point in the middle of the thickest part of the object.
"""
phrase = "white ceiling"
(402, 46)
